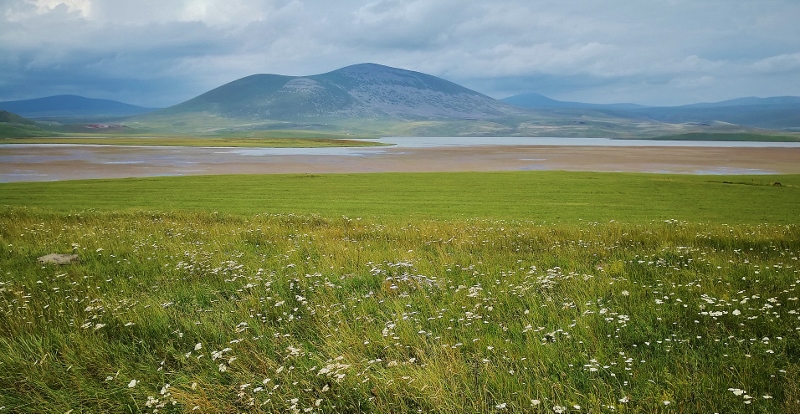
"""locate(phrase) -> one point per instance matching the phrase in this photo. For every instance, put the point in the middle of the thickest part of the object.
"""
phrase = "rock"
(58, 258)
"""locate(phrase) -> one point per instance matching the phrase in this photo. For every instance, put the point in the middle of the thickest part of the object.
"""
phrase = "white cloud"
(84, 7)
(21, 10)
(779, 64)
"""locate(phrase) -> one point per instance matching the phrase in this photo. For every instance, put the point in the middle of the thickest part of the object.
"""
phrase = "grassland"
(546, 196)
(20, 130)
(508, 292)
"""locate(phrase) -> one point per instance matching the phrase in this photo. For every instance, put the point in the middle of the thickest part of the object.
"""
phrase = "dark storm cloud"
(157, 53)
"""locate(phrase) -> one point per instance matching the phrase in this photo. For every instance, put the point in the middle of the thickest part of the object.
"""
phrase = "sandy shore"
(47, 163)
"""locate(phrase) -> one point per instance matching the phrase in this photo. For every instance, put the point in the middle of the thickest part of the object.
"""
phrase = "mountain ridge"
(534, 100)
(362, 90)
(373, 99)
(780, 112)
(68, 106)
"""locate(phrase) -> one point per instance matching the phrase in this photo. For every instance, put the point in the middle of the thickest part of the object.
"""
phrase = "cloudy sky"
(161, 52)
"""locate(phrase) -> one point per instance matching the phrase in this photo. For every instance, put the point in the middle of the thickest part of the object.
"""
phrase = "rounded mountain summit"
(358, 91)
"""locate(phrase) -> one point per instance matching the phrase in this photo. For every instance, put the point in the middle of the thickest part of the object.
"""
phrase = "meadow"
(461, 292)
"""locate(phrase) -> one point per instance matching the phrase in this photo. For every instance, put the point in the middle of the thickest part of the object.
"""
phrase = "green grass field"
(8, 130)
(539, 196)
(542, 292)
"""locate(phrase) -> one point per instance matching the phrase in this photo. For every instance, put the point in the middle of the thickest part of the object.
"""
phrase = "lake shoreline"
(54, 163)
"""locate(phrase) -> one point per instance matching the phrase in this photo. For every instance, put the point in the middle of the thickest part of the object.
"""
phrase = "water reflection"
(429, 142)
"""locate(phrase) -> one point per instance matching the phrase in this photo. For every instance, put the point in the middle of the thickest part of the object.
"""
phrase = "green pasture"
(177, 312)
(550, 197)
(534, 292)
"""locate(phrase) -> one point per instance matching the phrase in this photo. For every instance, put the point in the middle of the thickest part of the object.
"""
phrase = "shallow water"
(62, 162)
(428, 142)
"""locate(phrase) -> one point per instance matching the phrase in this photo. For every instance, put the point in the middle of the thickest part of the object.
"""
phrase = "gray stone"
(58, 258)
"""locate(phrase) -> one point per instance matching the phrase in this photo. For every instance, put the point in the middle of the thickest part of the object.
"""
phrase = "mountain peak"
(361, 90)
(368, 67)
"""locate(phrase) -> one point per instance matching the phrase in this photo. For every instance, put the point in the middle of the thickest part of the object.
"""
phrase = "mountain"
(68, 106)
(781, 112)
(536, 101)
(376, 100)
(749, 101)
(358, 91)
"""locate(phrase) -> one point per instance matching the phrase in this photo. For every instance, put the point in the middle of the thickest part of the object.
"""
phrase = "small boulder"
(58, 258)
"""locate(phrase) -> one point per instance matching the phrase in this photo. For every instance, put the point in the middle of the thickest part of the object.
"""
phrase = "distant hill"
(781, 112)
(537, 101)
(12, 118)
(358, 91)
(67, 106)
(15, 126)
(749, 101)
(771, 116)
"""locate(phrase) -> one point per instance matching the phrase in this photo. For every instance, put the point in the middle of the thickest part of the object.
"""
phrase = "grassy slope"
(540, 196)
(480, 310)
(8, 130)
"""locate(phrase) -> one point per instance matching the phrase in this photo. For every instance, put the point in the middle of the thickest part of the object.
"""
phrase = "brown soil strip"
(48, 163)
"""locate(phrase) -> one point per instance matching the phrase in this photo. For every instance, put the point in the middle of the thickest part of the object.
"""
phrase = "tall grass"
(181, 311)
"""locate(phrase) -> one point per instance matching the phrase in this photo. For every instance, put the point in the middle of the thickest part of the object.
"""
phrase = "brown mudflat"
(46, 163)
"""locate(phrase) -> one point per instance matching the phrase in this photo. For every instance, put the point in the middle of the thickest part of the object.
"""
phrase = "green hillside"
(12, 118)
(15, 126)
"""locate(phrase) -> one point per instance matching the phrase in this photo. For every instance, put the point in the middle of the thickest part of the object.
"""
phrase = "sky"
(158, 53)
